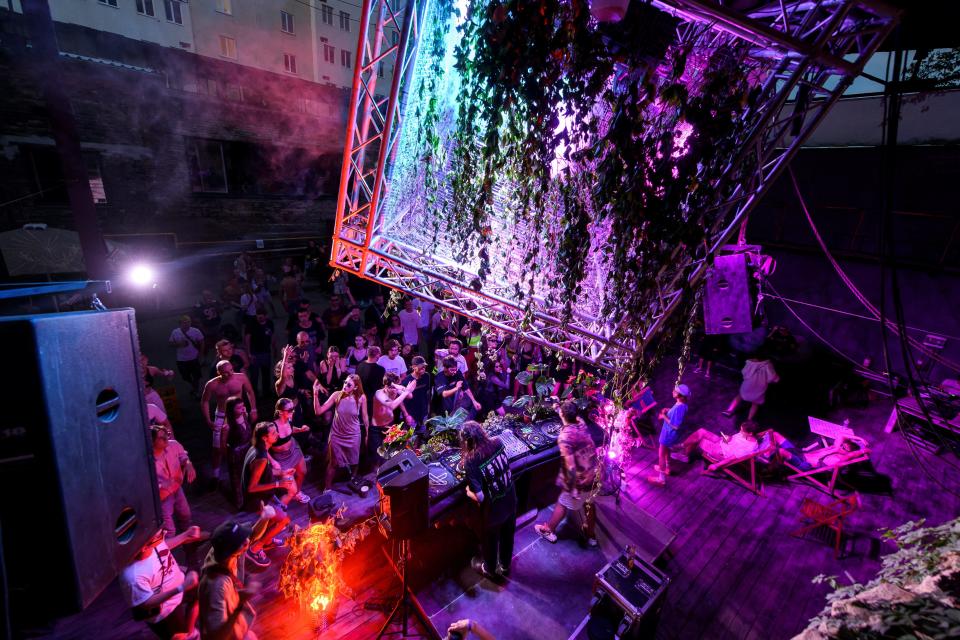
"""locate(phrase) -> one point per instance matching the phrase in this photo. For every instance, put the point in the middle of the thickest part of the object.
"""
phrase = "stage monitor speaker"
(404, 482)
(79, 494)
(627, 599)
(727, 302)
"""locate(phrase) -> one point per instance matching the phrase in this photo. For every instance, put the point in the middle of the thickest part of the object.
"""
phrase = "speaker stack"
(404, 483)
(729, 295)
(79, 495)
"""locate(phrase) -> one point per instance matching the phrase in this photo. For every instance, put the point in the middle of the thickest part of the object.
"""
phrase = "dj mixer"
(514, 446)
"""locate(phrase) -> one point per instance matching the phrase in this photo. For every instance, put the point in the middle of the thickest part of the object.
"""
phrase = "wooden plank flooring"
(735, 570)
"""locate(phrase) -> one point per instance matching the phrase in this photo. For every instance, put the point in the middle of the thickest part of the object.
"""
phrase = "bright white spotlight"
(141, 275)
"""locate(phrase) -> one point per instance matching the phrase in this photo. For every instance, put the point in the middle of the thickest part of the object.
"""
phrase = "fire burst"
(311, 572)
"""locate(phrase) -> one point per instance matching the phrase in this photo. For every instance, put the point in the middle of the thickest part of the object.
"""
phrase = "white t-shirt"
(152, 397)
(410, 321)
(189, 352)
(155, 414)
(461, 361)
(145, 578)
(398, 365)
(426, 313)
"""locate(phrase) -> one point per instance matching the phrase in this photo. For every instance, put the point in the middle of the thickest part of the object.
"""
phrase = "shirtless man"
(226, 384)
(385, 402)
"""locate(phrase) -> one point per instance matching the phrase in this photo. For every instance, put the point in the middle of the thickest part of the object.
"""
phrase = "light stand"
(407, 604)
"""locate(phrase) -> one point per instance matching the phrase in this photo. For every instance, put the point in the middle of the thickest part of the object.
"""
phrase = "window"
(289, 63)
(172, 10)
(145, 7)
(286, 22)
(109, 3)
(326, 13)
(208, 173)
(345, 58)
(345, 21)
(328, 53)
(225, 6)
(228, 47)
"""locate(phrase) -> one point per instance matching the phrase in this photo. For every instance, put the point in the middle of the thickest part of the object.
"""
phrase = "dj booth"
(534, 462)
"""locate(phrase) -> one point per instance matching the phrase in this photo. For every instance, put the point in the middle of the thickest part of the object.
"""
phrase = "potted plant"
(396, 439)
(445, 430)
(538, 406)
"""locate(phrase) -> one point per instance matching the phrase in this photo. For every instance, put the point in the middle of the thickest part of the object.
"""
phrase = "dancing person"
(758, 374)
(371, 375)
(410, 322)
(453, 389)
(386, 403)
(393, 330)
(264, 480)
(332, 371)
(260, 343)
(219, 389)
(356, 353)
(207, 312)
(350, 422)
(188, 341)
(286, 450)
(671, 421)
(417, 403)
(490, 485)
(227, 350)
(158, 591)
(239, 441)
(173, 468)
(332, 316)
(576, 478)
(392, 362)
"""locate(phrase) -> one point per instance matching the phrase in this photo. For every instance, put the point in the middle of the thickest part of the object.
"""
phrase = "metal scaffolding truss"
(810, 52)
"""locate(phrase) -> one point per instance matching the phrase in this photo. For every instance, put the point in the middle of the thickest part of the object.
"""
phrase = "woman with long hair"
(356, 353)
(490, 485)
(263, 483)
(393, 330)
(239, 439)
(346, 437)
(286, 386)
(286, 450)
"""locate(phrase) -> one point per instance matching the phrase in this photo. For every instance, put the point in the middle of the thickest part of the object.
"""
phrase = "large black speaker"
(79, 495)
(403, 481)
(727, 302)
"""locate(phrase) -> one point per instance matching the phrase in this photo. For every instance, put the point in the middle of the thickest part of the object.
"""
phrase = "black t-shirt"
(235, 360)
(314, 329)
(418, 403)
(208, 313)
(371, 377)
(493, 477)
(261, 336)
(442, 383)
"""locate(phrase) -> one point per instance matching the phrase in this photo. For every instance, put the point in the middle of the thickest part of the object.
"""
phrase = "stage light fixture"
(142, 275)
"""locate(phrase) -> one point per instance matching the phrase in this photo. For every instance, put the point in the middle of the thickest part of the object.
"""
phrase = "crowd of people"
(337, 379)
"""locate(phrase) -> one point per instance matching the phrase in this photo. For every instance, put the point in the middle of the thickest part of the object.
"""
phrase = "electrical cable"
(811, 329)
(886, 251)
(853, 287)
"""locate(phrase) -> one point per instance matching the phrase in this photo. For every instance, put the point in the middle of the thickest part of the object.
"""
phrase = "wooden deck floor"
(735, 570)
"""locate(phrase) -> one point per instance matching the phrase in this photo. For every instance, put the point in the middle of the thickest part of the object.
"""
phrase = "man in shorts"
(219, 389)
(577, 476)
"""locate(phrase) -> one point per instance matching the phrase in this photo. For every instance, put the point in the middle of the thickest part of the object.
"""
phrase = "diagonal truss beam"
(819, 45)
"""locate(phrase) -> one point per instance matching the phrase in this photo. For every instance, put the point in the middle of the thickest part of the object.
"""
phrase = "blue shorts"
(669, 436)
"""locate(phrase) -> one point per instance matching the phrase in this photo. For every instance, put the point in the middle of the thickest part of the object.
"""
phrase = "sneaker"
(259, 558)
(658, 480)
(302, 498)
(664, 472)
(193, 635)
(680, 456)
(503, 571)
(545, 533)
(274, 543)
(592, 543)
(477, 565)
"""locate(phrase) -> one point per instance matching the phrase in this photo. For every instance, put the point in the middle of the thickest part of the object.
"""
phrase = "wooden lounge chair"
(827, 516)
(826, 459)
(744, 470)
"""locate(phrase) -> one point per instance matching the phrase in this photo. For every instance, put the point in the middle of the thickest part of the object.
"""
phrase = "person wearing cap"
(157, 589)
(418, 402)
(225, 607)
(577, 476)
(672, 419)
